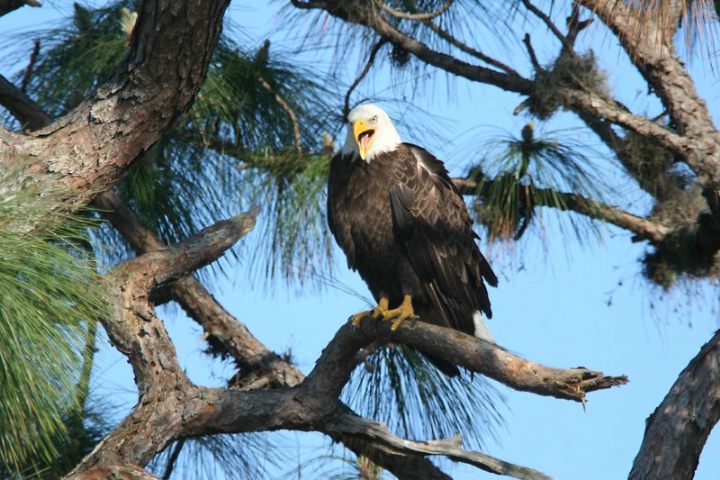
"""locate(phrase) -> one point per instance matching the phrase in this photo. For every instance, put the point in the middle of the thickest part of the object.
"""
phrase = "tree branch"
(676, 432)
(567, 46)
(451, 448)
(22, 107)
(489, 359)
(249, 353)
(415, 16)
(365, 71)
(512, 83)
(7, 6)
(471, 51)
(172, 408)
(642, 228)
(91, 148)
(183, 258)
(531, 53)
(293, 118)
(664, 71)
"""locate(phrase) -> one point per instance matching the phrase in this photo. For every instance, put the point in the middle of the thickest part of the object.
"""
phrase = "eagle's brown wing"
(337, 221)
(432, 221)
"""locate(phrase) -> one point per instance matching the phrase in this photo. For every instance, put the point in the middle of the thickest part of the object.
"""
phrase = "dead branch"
(450, 447)
(250, 354)
(472, 353)
(549, 23)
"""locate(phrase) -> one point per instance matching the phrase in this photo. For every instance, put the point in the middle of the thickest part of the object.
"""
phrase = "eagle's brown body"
(405, 228)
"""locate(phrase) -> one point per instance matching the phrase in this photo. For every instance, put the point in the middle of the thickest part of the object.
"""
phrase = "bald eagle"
(404, 227)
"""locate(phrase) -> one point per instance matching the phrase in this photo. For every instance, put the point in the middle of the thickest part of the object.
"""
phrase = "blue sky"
(557, 304)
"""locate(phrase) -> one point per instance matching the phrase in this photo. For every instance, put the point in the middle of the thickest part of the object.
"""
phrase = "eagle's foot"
(378, 312)
(400, 314)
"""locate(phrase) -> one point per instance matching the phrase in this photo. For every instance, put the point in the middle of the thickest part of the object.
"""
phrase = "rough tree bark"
(90, 149)
(678, 429)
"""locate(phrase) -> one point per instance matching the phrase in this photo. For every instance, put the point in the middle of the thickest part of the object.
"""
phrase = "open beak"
(363, 136)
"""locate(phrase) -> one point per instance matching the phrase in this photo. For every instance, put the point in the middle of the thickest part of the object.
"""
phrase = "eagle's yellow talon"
(382, 309)
(402, 313)
(359, 316)
(377, 312)
(398, 315)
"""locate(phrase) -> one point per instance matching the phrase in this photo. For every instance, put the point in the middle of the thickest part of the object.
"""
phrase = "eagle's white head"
(370, 132)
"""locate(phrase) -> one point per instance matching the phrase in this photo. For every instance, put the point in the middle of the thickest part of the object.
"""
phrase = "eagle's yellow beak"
(363, 136)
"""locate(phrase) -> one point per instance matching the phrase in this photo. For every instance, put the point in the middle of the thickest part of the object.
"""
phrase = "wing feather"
(432, 221)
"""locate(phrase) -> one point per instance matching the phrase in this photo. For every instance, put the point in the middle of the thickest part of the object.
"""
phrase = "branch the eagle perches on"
(171, 407)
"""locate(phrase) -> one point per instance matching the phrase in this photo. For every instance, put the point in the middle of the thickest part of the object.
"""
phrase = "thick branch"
(678, 429)
(91, 148)
(250, 354)
(183, 258)
(338, 359)
(665, 72)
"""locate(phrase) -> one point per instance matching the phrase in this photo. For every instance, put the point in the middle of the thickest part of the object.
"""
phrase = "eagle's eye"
(373, 119)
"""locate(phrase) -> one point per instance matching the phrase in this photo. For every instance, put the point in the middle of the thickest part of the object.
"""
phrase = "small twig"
(465, 48)
(366, 70)
(531, 52)
(547, 21)
(31, 66)
(177, 448)
(22, 107)
(286, 107)
(416, 16)
(575, 26)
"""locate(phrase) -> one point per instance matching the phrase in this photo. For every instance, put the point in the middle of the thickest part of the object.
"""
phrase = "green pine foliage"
(233, 457)
(519, 176)
(400, 387)
(252, 137)
(50, 296)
